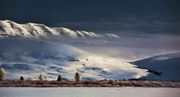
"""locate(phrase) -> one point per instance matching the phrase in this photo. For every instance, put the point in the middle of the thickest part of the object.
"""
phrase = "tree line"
(77, 76)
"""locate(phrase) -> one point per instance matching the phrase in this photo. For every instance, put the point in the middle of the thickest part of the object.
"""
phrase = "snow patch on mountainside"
(29, 58)
(33, 30)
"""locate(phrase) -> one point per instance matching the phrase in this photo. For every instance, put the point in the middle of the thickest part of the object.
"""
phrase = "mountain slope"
(33, 30)
(162, 67)
(30, 58)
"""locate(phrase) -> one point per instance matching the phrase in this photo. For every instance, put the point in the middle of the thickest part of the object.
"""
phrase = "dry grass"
(97, 83)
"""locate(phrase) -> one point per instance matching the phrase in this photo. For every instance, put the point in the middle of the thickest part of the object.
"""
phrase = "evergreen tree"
(2, 73)
(59, 78)
(77, 76)
(21, 78)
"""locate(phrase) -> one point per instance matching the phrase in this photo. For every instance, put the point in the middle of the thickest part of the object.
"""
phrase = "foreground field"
(88, 92)
(98, 83)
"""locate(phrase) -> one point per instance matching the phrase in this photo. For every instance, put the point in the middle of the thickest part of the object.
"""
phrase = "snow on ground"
(31, 57)
(89, 92)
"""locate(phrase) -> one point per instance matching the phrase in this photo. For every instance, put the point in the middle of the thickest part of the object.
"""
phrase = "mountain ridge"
(10, 28)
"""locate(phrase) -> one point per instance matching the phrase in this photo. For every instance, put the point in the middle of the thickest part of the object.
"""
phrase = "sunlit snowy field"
(90, 92)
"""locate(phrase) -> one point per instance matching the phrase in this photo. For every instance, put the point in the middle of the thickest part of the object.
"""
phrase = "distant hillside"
(162, 67)
(31, 57)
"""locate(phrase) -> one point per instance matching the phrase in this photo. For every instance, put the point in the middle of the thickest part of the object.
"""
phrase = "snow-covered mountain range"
(33, 30)
(31, 57)
(26, 51)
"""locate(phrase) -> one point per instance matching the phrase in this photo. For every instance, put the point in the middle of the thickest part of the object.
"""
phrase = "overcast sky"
(117, 16)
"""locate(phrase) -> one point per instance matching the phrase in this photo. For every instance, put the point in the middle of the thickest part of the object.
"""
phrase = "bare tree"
(40, 77)
(2, 73)
(77, 76)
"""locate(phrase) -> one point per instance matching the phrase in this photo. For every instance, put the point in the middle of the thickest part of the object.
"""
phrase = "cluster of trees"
(77, 76)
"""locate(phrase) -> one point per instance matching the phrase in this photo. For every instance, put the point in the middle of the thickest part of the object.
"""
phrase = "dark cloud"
(97, 15)
(132, 25)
